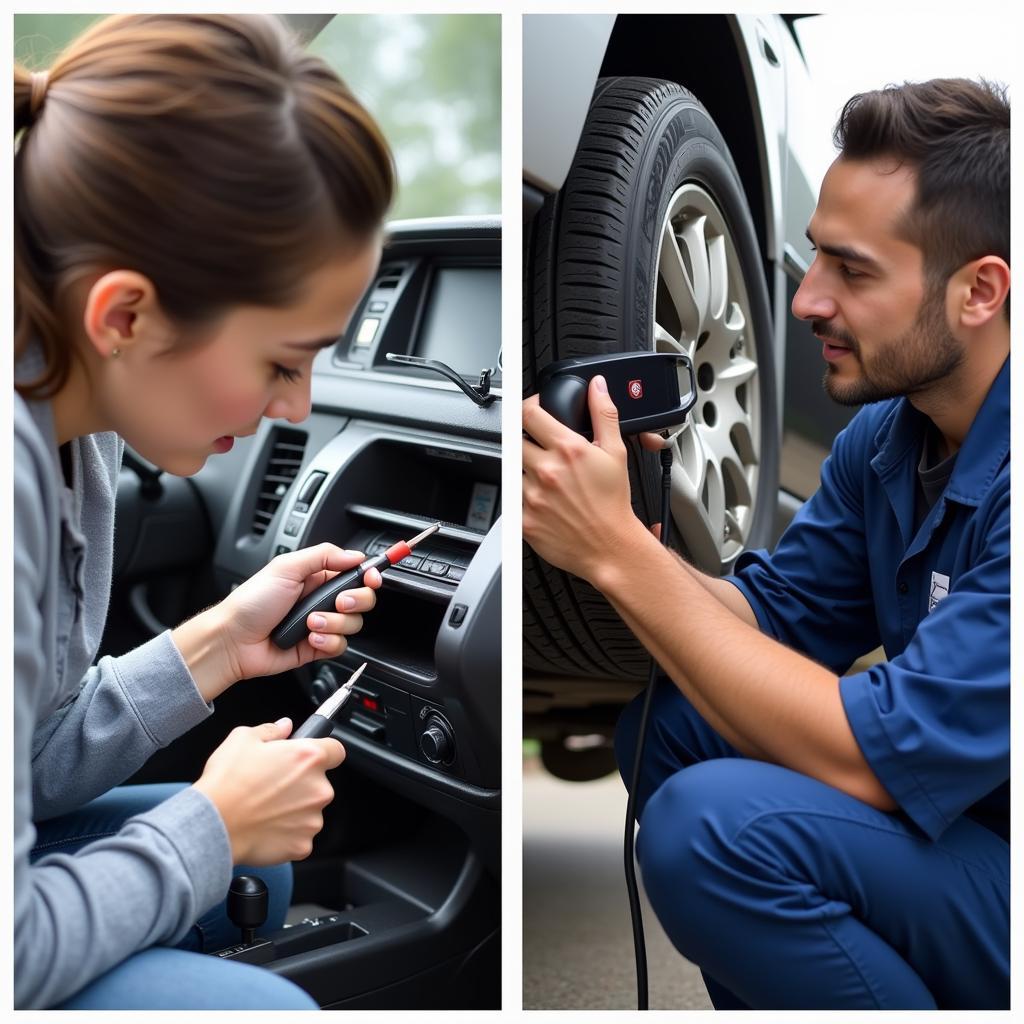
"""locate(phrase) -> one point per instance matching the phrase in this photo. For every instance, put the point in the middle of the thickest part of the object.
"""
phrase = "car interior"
(398, 906)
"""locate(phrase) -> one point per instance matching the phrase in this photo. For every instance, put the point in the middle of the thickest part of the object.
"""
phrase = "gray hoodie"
(81, 729)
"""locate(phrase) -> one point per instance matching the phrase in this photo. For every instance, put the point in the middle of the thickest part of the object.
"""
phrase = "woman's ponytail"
(34, 317)
(210, 153)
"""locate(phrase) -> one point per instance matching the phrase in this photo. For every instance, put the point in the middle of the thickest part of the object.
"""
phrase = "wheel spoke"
(724, 332)
(743, 443)
(735, 422)
(717, 443)
(665, 342)
(689, 460)
(700, 270)
(739, 371)
(735, 321)
(739, 483)
(672, 271)
(698, 512)
(718, 266)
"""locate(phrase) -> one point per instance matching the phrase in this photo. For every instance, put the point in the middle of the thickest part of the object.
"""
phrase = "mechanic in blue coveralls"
(812, 839)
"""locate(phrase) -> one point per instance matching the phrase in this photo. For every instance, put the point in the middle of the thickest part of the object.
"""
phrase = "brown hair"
(956, 135)
(210, 153)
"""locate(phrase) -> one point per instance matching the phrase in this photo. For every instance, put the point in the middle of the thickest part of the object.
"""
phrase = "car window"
(432, 81)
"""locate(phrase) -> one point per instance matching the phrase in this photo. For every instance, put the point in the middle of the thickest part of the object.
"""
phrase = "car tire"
(576, 765)
(650, 244)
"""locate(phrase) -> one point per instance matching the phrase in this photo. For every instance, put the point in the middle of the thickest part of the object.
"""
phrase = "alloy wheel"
(702, 310)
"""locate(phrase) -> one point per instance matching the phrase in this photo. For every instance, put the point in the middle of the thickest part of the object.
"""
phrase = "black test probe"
(320, 723)
(292, 628)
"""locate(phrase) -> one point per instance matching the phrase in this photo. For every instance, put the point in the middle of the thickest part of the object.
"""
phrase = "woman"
(198, 205)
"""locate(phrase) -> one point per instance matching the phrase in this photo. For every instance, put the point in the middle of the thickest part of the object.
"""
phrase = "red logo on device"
(636, 389)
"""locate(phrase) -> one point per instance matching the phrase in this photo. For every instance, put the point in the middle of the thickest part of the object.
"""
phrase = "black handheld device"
(292, 628)
(645, 387)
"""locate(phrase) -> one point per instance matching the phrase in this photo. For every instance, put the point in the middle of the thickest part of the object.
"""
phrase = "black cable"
(639, 947)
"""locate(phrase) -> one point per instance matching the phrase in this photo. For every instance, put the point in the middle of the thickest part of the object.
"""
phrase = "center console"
(428, 704)
(389, 449)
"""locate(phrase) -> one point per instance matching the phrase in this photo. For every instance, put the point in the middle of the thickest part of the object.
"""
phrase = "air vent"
(390, 275)
(282, 468)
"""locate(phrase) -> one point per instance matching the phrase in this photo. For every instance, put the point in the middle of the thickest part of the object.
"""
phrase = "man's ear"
(120, 307)
(979, 290)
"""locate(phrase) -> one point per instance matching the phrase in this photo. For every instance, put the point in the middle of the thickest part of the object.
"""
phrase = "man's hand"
(576, 504)
(231, 640)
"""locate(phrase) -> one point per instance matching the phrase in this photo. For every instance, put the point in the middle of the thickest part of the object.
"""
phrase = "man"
(809, 839)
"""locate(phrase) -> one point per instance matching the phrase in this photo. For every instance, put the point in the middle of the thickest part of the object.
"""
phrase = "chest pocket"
(946, 556)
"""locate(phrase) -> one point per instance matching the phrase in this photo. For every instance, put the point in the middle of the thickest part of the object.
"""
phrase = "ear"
(120, 308)
(979, 289)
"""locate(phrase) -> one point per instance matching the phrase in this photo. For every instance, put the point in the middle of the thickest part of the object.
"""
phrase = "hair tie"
(40, 81)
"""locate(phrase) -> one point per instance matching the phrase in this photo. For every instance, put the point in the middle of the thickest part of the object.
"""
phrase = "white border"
(511, 546)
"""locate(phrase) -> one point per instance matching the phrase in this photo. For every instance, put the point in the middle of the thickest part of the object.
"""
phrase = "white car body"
(563, 56)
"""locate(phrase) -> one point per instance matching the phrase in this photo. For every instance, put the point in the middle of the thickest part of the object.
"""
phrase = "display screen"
(462, 324)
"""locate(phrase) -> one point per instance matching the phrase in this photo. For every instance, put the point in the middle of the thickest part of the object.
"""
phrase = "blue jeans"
(163, 978)
(790, 894)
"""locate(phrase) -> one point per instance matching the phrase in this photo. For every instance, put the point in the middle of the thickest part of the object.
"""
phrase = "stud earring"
(115, 352)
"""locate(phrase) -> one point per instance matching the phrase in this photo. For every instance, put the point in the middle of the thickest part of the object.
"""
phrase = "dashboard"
(389, 448)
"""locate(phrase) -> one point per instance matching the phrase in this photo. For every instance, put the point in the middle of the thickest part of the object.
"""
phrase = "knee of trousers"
(693, 872)
(170, 979)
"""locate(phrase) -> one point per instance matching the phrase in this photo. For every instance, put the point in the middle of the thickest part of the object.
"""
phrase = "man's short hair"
(955, 133)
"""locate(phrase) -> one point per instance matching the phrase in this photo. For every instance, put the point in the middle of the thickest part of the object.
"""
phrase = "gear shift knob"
(247, 905)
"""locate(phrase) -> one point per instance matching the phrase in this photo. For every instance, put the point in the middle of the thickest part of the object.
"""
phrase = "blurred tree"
(433, 82)
(39, 38)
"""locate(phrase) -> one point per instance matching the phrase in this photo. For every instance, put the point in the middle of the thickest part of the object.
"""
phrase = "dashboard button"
(292, 527)
(437, 743)
(410, 562)
(457, 616)
(311, 487)
(435, 568)
(377, 307)
(374, 730)
(367, 332)
(456, 572)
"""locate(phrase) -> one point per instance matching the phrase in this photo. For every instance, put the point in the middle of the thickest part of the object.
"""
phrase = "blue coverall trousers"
(178, 978)
(790, 894)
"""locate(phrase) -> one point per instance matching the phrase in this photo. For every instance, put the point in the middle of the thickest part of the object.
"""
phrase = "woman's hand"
(270, 794)
(576, 505)
(231, 640)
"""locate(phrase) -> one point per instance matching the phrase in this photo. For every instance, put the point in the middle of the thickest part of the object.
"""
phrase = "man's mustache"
(825, 330)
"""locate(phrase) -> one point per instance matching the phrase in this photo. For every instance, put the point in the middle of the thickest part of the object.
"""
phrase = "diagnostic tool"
(645, 387)
(292, 628)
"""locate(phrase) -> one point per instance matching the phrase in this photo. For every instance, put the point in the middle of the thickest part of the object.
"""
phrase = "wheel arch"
(721, 78)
